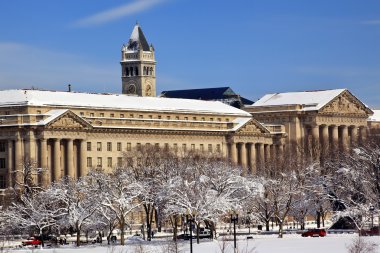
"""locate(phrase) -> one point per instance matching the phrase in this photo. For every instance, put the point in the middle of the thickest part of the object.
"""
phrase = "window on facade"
(184, 147)
(211, 119)
(194, 118)
(121, 115)
(219, 119)
(99, 162)
(2, 146)
(118, 147)
(129, 146)
(2, 163)
(89, 162)
(81, 113)
(210, 148)
(177, 117)
(186, 118)
(203, 118)
(201, 147)
(166, 146)
(157, 146)
(91, 114)
(131, 115)
(159, 117)
(168, 117)
(150, 116)
(112, 115)
(138, 146)
(2, 182)
(126, 71)
(99, 146)
(102, 115)
(218, 148)
(175, 146)
(119, 161)
(136, 71)
(109, 162)
(109, 146)
(141, 116)
(192, 147)
(7, 113)
(227, 120)
(38, 112)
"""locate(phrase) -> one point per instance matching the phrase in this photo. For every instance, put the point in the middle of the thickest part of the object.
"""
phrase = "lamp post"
(234, 219)
(371, 210)
(190, 220)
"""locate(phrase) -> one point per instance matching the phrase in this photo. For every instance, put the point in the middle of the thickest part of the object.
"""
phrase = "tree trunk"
(198, 228)
(175, 229)
(77, 227)
(42, 239)
(280, 229)
(122, 225)
(318, 219)
(267, 225)
(148, 218)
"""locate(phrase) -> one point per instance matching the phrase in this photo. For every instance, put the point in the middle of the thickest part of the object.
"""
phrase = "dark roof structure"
(224, 94)
(137, 40)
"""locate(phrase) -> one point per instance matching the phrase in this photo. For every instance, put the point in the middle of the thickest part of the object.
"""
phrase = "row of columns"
(55, 156)
(253, 156)
(335, 137)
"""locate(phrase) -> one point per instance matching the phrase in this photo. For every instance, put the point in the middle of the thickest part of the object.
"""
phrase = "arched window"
(126, 71)
(151, 71)
(144, 70)
(136, 71)
(131, 71)
(147, 71)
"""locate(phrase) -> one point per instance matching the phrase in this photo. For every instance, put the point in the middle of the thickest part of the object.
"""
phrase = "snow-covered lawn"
(262, 244)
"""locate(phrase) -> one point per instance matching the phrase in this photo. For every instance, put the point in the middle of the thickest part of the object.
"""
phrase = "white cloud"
(117, 13)
(371, 22)
(24, 66)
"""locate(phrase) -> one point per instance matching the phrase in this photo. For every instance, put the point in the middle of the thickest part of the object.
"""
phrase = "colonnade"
(56, 157)
(253, 156)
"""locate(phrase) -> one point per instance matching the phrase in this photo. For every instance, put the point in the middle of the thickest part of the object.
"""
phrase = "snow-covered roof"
(375, 116)
(137, 41)
(115, 101)
(311, 100)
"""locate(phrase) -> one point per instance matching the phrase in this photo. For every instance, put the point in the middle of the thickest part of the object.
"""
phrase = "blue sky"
(253, 46)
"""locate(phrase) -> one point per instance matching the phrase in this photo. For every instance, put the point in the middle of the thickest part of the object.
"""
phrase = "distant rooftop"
(375, 116)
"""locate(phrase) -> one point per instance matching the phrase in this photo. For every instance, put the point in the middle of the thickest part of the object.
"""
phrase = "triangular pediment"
(252, 127)
(346, 103)
(68, 120)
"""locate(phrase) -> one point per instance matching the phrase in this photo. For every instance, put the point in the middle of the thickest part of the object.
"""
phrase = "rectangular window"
(121, 115)
(129, 146)
(157, 146)
(118, 146)
(177, 117)
(211, 119)
(2, 146)
(201, 147)
(192, 147)
(159, 117)
(210, 148)
(7, 113)
(88, 146)
(109, 162)
(2, 163)
(166, 146)
(2, 182)
(102, 115)
(109, 146)
(184, 147)
(81, 113)
(186, 118)
(112, 115)
(89, 162)
(175, 146)
(99, 162)
(91, 114)
(203, 118)
(99, 146)
(227, 120)
(219, 119)
(38, 112)
(119, 161)
(138, 146)
(194, 118)
(167, 117)
(150, 116)
(141, 116)
(131, 115)
(218, 148)
(129, 161)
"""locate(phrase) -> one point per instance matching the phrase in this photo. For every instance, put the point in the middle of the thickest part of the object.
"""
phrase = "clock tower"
(138, 65)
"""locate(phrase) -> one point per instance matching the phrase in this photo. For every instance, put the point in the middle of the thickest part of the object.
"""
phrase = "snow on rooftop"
(312, 100)
(114, 101)
(375, 116)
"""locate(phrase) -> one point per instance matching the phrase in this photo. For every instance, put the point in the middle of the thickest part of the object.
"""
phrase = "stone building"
(374, 123)
(329, 118)
(67, 133)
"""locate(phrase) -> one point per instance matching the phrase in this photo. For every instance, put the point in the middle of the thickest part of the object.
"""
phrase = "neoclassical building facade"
(327, 119)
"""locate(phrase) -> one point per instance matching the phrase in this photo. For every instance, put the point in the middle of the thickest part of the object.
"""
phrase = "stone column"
(70, 158)
(243, 157)
(325, 138)
(335, 137)
(225, 149)
(252, 158)
(267, 153)
(280, 152)
(344, 137)
(315, 146)
(363, 134)
(10, 164)
(354, 135)
(19, 160)
(57, 159)
(45, 170)
(83, 158)
(234, 152)
(261, 155)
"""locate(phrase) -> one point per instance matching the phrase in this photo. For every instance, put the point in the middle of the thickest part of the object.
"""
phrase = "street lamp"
(234, 218)
(371, 210)
(189, 220)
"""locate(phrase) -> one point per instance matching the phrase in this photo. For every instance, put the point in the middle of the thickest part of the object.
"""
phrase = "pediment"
(68, 120)
(252, 127)
(346, 103)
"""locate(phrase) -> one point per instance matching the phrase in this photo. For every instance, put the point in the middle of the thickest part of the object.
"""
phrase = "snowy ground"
(261, 243)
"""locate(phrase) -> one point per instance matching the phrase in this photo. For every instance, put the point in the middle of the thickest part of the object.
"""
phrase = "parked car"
(203, 233)
(31, 241)
(316, 232)
(369, 232)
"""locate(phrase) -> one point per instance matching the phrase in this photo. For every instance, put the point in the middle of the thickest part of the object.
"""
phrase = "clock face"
(131, 89)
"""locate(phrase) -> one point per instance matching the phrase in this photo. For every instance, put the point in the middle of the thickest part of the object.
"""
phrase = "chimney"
(69, 87)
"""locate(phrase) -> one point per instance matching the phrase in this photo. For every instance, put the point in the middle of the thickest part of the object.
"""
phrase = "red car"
(316, 232)
(31, 241)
